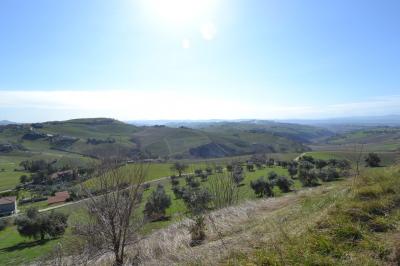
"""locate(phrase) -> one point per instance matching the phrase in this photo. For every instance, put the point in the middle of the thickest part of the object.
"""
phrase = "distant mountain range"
(348, 122)
(387, 120)
(6, 122)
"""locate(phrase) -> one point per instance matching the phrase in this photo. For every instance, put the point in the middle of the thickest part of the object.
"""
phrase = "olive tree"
(156, 204)
(262, 187)
(179, 167)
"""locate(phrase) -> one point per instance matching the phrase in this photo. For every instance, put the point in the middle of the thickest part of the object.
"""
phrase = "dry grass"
(233, 229)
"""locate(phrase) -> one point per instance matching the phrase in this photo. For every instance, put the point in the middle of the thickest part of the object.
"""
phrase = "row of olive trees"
(114, 219)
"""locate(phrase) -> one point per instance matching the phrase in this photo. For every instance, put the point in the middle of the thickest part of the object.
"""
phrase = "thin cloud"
(125, 105)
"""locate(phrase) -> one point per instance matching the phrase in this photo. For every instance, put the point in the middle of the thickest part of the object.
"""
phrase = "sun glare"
(180, 11)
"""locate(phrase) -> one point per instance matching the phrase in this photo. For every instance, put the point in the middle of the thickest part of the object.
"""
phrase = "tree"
(319, 164)
(179, 167)
(283, 183)
(174, 180)
(23, 179)
(197, 201)
(307, 158)
(37, 226)
(305, 166)
(113, 220)
(192, 181)
(270, 162)
(330, 174)
(372, 160)
(344, 166)
(157, 204)
(307, 177)
(262, 187)
(198, 172)
(333, 162)
(178, 191)
(209, 171)
(292, 169)
(250, 167)
(272, 176)
(219, 169)
(204, 177)
(237, 175)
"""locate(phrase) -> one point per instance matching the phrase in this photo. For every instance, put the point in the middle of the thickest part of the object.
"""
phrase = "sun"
(180, 11)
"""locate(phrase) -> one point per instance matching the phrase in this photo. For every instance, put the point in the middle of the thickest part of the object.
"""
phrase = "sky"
(198, 59)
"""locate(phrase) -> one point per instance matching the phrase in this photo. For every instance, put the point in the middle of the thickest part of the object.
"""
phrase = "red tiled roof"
(58, 197)
(7, 200)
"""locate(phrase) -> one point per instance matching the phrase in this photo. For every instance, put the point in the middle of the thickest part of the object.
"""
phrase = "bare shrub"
(113, 219)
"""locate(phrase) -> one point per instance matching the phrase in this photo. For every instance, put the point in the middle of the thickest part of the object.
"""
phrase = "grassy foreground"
(360, 227)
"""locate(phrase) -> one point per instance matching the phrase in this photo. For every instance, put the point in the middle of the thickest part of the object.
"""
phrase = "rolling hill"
(380, 138)
(99, 137)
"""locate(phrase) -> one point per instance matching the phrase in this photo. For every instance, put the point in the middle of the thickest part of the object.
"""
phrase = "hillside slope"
(382, 138)
(100, 137)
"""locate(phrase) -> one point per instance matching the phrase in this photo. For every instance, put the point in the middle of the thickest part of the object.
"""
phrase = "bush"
(157, 204)
(204, 177)
(305, 166)
(23, 179)
(308, 178)
(179, 167)
(379, 224)
(209, 171)
(372, 160)
(238, 174)
(3, 224)
(178, 191)
(196, 200)
(250, 167)
(307, 158)
(283, 183)
(262, 187)
(272, 176)
(292, 169)
(191, 181)
(198, 172)
(197, 230)
(329, 174)
(319, 164)
(219, 169)
(174, 180)
(348, 233)
(39, 225)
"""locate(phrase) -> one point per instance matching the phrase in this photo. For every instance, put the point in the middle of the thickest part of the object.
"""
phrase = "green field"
(9, 178)
(388, 158)
(12, 241)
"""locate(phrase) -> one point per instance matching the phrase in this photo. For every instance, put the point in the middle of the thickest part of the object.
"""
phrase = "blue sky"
(198, 59)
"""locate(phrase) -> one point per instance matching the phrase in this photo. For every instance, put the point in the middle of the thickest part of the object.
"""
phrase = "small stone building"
(8, 205)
